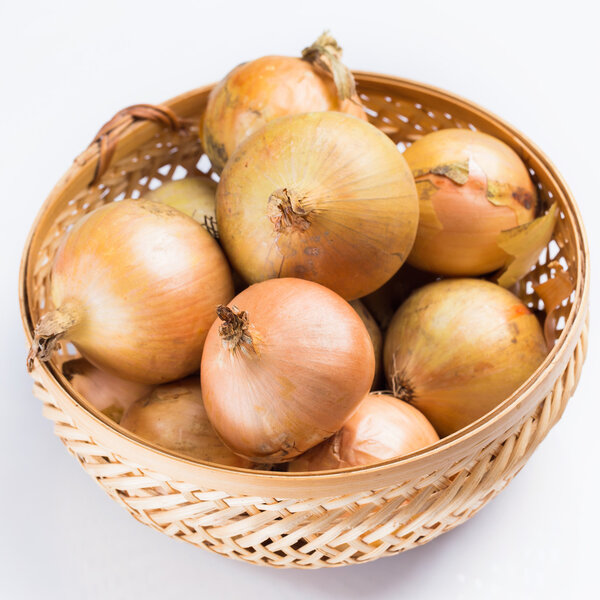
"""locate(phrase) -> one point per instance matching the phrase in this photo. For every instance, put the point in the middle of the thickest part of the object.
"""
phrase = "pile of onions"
(457, 348)
(173, 416)
(135, 284)
(261, 90)
(109, 394)
(471, 187)
(382, 428)
(283, 368)
(193, 196)
(320, 196)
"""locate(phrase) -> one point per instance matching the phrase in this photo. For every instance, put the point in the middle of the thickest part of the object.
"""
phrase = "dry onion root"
(457, 348)
(193, 196)
(259, 91)
(374, 333)
(135, 284)
(109, 394)
(173, 416)
(471, 187)
(283, 368)
(381, 428)
(320, 196)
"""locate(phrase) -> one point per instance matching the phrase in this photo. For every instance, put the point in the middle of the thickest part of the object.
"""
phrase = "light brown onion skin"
(144, 280)
(173, 416)
(459, 224)
(374, 333)
(311, 365)
(109, 394)
(356, 209)
(381, 428)
(259, 91)
(457, 348)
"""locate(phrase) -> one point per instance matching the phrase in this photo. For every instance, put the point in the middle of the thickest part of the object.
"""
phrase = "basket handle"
(111, 131)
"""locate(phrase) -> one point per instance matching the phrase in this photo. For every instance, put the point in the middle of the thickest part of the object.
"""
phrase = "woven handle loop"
(110, 132)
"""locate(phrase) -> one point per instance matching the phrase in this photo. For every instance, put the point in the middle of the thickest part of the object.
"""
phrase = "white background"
(68, 67)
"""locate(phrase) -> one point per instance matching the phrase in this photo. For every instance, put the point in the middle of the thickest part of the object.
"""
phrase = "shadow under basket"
(293, 519)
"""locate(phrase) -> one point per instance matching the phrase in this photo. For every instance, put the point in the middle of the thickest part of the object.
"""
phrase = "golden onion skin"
(457, 348)
(259, 91)
(144, 280)
(320, 196)
(381, 428)
(459, 224)
(173, 416)
(374, 333)
(303, 365)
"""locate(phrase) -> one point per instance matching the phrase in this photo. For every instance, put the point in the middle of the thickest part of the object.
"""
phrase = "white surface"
(68, 67)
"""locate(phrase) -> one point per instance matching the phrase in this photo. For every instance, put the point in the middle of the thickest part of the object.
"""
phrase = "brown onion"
(381, 428)
(457, 348)
(284, 368)
(135, 284)
(261, 90)
(374, 333)
(109, 394)
(173, 416)
(471, 187)
(321, 196)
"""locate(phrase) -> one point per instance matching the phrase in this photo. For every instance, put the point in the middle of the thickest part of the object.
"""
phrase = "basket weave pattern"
(376, 516)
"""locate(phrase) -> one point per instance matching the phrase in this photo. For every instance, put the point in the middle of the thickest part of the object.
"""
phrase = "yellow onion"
(193, 196)
(173, 416)
(259, 91)
(135, 284)
(320, 196)
(471, 187)
(374, 333)
(459, 347)
(109, 394)
(283, 369)
(381, 428)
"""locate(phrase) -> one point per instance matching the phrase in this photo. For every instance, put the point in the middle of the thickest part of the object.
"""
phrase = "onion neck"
(51, 328)
(286, 212)
(234, 330)
(402, 388)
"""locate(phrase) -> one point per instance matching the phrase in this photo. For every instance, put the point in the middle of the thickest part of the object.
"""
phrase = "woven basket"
(300, 520)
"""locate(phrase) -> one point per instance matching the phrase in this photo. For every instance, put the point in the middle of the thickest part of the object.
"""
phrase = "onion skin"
(193, 196)
(289, 377)
(173, 416)
(374, 333)
(259, 91)
(135, 283)
(459, 224)
(457, 348)
(381, 428)
(320, 196)
(109, 394)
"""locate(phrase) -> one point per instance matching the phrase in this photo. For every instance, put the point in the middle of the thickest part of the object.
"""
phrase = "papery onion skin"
(457, 348)
(381, 428)
(374, 333)
(259, 91)
(173, 416)
(109, 394)
(459, 224)
(291, 376)
(320, 196)
(135, 284)
(193, 196)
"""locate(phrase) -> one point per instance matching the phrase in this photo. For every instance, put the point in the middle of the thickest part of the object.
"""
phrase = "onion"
(382, 428)
(109, 394)
(173, 416)
(321, 196)
(135, 284)
(193, 196)
(471, 187)
(259, 91)
(457, 348)
(284, 369)
(374, 333)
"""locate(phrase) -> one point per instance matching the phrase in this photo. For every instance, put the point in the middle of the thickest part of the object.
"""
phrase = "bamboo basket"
(293, 519)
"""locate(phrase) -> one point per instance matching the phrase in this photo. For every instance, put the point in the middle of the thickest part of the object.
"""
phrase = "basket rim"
(321, 483)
